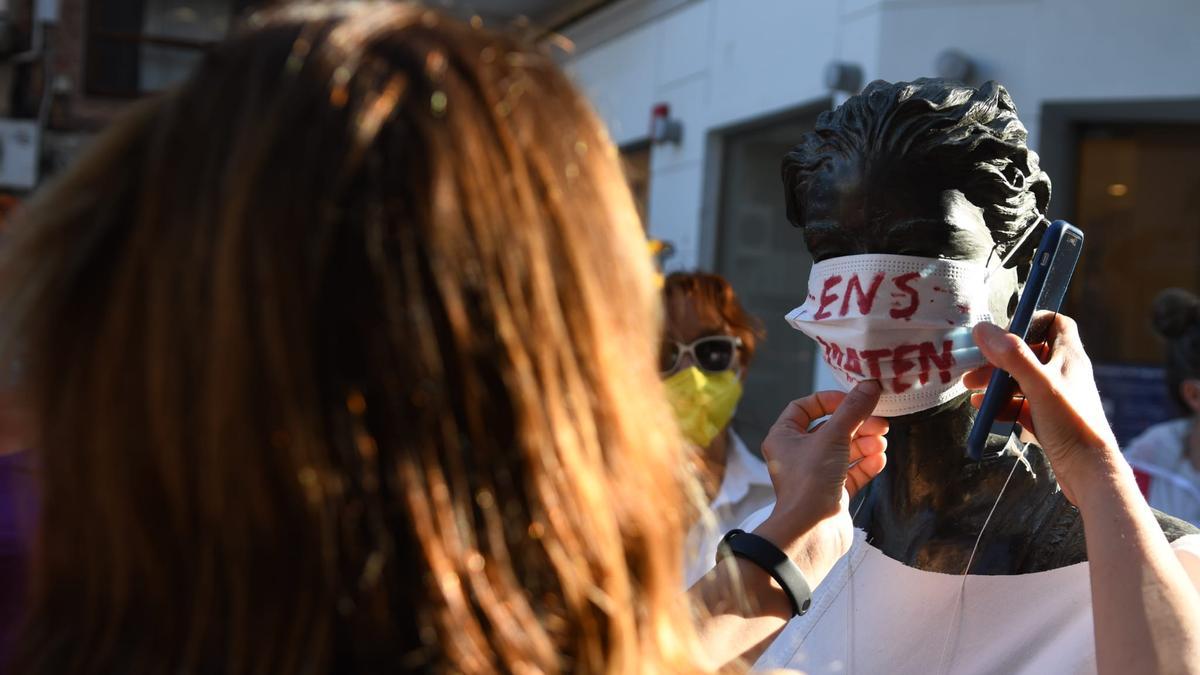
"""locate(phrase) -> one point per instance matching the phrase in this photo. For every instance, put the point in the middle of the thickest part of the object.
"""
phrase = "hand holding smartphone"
(1053, 266)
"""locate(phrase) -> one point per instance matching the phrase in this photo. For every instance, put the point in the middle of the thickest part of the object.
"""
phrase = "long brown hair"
(342, 356)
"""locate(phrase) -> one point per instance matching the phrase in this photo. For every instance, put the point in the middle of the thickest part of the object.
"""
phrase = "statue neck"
(929, 454)
(929, 505)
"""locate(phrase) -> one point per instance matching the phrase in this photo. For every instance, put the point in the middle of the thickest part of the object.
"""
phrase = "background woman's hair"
(343, 361)
(1177, 320)
(969, 139)
(714, 298)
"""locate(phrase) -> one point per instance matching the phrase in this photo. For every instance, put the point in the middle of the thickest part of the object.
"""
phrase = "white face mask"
(903, 320)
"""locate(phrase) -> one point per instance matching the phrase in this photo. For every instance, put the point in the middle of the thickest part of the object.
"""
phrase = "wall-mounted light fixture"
(664, 129)
(844, 77)
(955, 66)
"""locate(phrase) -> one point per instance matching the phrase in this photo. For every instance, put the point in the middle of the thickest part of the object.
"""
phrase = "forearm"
(740, 609)
(1145, 608)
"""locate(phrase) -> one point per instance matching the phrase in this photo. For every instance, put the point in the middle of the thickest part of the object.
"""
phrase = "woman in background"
(708, 344)
(1166, 457)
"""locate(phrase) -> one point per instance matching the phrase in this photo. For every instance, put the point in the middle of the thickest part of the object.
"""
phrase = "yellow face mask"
(703, 402)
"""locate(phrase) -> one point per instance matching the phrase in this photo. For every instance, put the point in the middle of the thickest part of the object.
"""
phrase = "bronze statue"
(935, 169)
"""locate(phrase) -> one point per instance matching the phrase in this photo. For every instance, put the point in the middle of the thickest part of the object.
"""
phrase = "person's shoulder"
(1179, 532)
(1159, 445)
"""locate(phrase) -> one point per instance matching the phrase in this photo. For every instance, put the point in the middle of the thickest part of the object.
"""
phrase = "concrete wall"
(725, 62)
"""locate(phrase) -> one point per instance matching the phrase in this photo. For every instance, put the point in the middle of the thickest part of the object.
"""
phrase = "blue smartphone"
(1053, 266)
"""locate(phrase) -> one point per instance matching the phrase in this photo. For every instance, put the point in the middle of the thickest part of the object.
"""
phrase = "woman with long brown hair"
(288, 411)
(342, 359)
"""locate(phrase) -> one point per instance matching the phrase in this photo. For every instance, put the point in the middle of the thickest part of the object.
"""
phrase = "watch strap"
(773, 561)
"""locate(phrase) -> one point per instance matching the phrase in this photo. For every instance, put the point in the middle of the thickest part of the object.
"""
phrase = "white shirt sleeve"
(759, 517)
(1187, 549)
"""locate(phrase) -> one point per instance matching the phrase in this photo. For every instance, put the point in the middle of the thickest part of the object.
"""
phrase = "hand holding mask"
(816, 471)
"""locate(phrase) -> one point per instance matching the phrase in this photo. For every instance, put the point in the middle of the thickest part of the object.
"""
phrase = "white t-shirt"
(745, 488)
(873, 614)
(1164, 472)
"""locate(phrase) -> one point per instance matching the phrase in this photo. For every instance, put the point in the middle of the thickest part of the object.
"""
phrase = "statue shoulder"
(1060, 542)
(1174, 527)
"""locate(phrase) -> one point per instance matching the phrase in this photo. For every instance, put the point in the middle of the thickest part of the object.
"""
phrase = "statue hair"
(964, 138)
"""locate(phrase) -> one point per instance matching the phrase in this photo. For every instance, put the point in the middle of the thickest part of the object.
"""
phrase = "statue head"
(924, 168)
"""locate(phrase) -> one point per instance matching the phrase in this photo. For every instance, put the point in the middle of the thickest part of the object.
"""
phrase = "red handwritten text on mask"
(863, 292)
(921, 360)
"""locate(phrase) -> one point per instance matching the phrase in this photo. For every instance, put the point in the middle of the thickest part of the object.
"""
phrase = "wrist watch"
(773, 561)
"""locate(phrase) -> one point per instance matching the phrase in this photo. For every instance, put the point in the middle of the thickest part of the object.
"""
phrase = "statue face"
(847, 215)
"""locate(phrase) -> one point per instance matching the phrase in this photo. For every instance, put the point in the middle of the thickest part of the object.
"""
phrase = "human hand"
(1056, 401)
(816, 472)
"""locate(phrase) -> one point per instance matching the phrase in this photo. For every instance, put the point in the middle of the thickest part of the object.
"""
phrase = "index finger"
(981, 376)
(1063, 341)
(855, 409)
(1010, 353)
(802, 411)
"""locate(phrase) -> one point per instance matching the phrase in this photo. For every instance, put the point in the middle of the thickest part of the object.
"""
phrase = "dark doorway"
(765, 260)
(1128, 174)
(1138, 198)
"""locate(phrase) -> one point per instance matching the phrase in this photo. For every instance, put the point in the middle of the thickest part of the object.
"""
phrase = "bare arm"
(1144, 605)
(1145, 608)
(741, 609)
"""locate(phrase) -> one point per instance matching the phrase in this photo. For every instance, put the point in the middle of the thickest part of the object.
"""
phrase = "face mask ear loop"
(1012, 252)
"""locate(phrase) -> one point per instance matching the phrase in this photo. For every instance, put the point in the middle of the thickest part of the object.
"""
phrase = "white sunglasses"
(712, 354)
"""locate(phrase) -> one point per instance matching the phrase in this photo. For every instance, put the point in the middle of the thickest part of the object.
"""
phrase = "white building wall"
(725, 62)
(716, 62)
